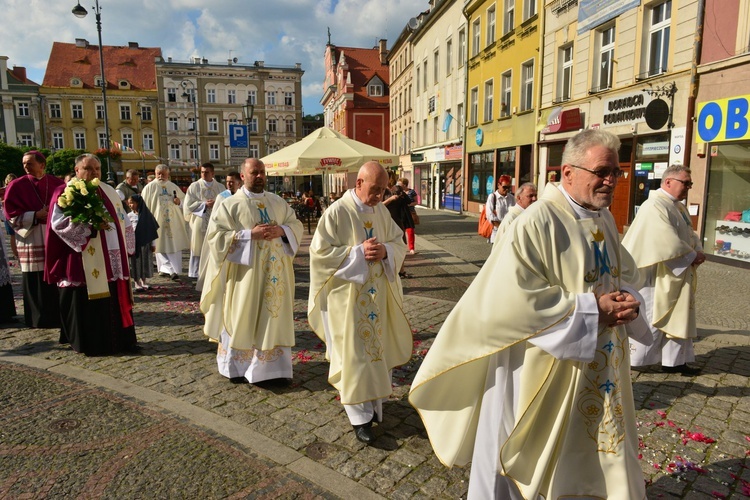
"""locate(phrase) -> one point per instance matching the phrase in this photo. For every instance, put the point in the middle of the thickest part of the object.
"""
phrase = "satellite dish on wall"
(234, 60)
(657, 114)
(412, 24)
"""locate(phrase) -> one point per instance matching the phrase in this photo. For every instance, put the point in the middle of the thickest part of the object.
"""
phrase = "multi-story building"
(439, 85)
(720, 159)
(19, 113)
(624, 67)
(355, 99)
(199, 101)
(401, 63)
(502, 94)
(74, 106)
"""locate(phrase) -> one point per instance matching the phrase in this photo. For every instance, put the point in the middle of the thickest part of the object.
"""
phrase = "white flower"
(62, 202)
(80, 185)
(69, 197)
(84, 191)
(95, 182)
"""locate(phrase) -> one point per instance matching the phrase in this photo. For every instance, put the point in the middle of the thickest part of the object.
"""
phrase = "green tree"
(62, 161)
(11, 160)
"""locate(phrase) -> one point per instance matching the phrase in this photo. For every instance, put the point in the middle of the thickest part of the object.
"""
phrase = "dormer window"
(123, 84)
(375, 87)
(98, 81)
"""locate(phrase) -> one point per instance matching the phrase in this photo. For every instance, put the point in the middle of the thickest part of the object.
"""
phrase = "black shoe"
(164, 275)
(238, 380)
(364, 433)
(174, 277)
(683, 369)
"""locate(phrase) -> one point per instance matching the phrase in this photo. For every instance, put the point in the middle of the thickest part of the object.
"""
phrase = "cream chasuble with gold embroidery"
(369, 333)
(553, 387)
(663, 244)
(249, 285)
(159, 198)
(196, 213)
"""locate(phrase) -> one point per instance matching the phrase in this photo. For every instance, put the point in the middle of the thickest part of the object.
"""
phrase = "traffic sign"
(238, 136)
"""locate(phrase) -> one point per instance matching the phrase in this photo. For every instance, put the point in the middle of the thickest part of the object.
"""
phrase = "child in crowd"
(142, 262)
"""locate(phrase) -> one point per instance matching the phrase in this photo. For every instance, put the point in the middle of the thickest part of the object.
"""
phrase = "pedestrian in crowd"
(94, 285)
(163, 198)
(355, 302)
(525, 196)
(7, 302)
(27, 204)
(398, 206)
(248, 293)
(150, 177)
(8, 228)
(146, 231)
(540, 400)
(668, 253)
(199, 201)
(130, 186)
(498, 204)
(413, 200)
(233, 182)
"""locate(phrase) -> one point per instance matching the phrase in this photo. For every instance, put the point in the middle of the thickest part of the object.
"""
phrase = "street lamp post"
(193, 96)
(80, 12)
(266, 139)
(249, 110)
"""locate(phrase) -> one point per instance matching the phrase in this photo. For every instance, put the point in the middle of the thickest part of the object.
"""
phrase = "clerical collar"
(580, 211)
(361, 207)
(208, 183)
(250, 194)
(667, 195)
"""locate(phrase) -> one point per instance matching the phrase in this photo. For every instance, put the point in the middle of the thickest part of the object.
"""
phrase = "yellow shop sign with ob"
(724, 119)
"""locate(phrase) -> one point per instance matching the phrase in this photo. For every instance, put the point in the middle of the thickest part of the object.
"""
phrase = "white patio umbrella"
(325, 151)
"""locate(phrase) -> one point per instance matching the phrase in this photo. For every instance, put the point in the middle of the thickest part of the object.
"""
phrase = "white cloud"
(279, 32)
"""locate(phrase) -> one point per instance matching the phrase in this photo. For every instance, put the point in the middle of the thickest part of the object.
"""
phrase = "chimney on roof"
(132, 45)
(82, 43)
(204, 61)
(169, 59)
(196, 60)
(383, 51)
(20, 73)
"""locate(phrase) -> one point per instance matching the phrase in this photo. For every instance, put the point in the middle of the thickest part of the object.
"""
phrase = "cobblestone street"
(165, 424)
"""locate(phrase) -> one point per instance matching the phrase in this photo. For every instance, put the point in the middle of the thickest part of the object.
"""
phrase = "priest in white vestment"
(248, 293)
(355, 303)
(525, 196)
(668, 252)
(199, 201)
(537, 394)
(164, 198)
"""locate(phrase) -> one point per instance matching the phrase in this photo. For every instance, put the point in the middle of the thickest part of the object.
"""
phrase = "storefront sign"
(454, 152)
(624, 110)
(563, 121)
(724, 119)
(677, 146)
(655, 148)
(479, 137)
(417, 157)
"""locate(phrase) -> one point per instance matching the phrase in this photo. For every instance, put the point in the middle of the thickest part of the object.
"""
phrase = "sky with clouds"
(279, 32)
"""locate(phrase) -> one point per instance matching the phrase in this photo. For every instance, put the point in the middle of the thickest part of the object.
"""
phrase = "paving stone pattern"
(693, 431)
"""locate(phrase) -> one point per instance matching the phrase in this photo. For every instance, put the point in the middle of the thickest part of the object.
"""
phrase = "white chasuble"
(249, 284)
(663, 244)
(360, 319)
(564, 412)
(197, 213)
(159, 196)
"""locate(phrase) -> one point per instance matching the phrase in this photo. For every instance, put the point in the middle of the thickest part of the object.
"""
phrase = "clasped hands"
(266, 232)
(374, 251)
(617, 308)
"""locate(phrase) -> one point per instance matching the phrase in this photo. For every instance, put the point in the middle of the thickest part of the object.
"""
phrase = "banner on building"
(592, 13)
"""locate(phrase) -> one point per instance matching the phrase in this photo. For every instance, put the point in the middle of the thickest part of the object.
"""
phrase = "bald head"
(372, 180)
(254, 175)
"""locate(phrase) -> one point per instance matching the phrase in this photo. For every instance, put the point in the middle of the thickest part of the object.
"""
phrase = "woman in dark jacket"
(397, 204)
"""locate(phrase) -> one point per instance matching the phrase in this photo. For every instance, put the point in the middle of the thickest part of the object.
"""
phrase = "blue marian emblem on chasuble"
(263, 212)
(368, 230)
(602, 264)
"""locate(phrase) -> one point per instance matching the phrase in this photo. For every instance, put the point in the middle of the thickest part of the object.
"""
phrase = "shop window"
(481, 176)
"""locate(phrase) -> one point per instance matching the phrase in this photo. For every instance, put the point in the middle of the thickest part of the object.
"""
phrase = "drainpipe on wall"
(697, 47)
(465, 166)
(535, 167)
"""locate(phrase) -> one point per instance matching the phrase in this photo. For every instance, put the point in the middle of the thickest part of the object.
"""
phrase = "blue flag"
(447, 121)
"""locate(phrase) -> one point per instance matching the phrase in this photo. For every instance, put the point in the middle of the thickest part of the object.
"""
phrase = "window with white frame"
(476, 36)
(22, 109)
(375, 89)
(213, 124)
(146, 114)
(606, 42)
(55, 111)
(77, 111)
(174, 151)
(416, 80)
(25, 140)
(79, 140)
(416, 134)
(509, 16)
(270, 97)
(424, 74)
(254, 151)
(125, 112)
(288, 99)
(57, 140)
(192, 152)
(211, 96)
(213, 151)
(171, 94)
(474, 110)
(191, 123)
(253, 125)
(102, 140)
(565, 73)
(489, 96)
(529, 9)
(99, 111)
(148, 141)
(172, 124)
(449, 56)
(272, 125)
(424, 131)
(658, 37)
(252, 96)
(491, 25)
(460, 116)
(127, 140)
(231, 96)
(431, 105)
(436, 66)
(506, 92)
(435, 129)
(527, 85)
(461, 47)
(289, 126)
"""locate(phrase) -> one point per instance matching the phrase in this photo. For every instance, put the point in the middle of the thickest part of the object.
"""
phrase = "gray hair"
(85, 156)
(161, 167)
(673, 171)
(523, 187)
(578, 145)
(131, 172)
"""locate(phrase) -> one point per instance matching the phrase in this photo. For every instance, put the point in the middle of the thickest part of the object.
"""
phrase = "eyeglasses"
(504, 186)
(687, 184)
(603, 173)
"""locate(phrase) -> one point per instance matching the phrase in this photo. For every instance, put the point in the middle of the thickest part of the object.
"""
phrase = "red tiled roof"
(364, 64)
(134, 64)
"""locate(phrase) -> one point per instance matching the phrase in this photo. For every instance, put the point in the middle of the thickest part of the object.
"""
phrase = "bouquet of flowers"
(82, 204)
